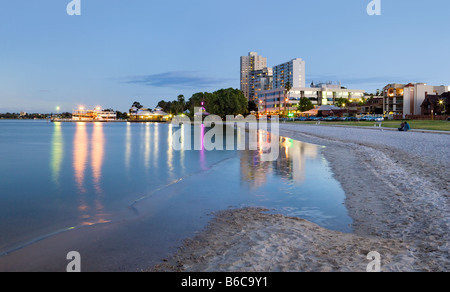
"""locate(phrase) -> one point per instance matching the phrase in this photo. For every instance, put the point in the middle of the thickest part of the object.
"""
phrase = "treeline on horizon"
(18, 116)
(222, 102)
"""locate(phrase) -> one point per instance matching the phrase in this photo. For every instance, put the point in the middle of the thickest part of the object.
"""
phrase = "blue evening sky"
(119, 51)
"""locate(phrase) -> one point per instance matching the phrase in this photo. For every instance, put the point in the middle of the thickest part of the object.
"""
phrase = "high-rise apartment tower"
(252, 62)
(292, 71)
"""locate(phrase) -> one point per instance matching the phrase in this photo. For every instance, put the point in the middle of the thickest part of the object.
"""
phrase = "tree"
(287, 89)
(305, 104)
(180, 98)
(252, 106)
(162, 104)
(223, 102)
(137, 105)
(341, 102)
(180, 104)
(197, 99)
(362, 101)
(227, 102)
(122, 115)
(177, 107)
(166, 106)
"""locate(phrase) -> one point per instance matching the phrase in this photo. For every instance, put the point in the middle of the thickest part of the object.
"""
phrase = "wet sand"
(397, 191)
(249, 240)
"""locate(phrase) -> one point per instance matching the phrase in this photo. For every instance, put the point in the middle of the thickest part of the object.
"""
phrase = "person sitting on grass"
(407, 127)
(404, 127)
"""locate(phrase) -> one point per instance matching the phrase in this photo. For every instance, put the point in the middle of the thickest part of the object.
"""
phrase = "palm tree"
(182, 102)
(287, 88)
(137, 105)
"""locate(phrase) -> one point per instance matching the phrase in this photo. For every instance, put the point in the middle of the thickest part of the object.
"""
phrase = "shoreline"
(398, 198)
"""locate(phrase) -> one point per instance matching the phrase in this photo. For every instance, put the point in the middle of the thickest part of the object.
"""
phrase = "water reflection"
(80, 153)
(155, 145)
(128, 144)
(147, 147)
(290, 165)
(98, 144)
(57, 153)
(98, 187)
(202, 147)
(292, 161)
(183, 141)
(91, 209)
(170, 151)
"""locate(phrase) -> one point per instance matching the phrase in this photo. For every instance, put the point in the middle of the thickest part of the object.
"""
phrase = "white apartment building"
(406, 99)
(252, 62)
(274, 102)
(292, 71)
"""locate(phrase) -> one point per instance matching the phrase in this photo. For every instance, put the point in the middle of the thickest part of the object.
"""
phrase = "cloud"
(177, 79)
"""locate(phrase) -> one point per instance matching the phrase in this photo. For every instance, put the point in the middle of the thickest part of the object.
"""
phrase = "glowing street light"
(442, 103)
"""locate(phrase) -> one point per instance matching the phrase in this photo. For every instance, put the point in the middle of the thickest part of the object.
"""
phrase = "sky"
(120, 51)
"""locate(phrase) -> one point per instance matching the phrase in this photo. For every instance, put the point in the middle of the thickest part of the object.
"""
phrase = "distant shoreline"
(90, 121)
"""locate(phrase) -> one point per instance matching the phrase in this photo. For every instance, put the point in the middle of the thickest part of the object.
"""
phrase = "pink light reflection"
(202, 149)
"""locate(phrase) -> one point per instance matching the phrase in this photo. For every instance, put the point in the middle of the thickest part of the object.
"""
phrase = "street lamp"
(345, 107)
(286, 109)
(442, 103)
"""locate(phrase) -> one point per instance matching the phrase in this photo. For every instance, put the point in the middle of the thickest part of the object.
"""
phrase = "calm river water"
(124, 199)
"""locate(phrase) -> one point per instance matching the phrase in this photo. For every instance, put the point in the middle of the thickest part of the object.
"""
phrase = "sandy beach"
(397, 193)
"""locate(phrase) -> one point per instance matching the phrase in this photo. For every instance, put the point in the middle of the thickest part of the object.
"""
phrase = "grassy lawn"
(423, 125)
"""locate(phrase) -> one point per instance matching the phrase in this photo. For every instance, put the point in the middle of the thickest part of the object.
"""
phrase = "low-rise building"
(276, 101)
(373, 106)
(406, 99)
(436, 104)
(148, 115)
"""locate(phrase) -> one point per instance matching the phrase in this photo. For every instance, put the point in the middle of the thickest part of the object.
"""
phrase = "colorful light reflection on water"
(147, 196)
